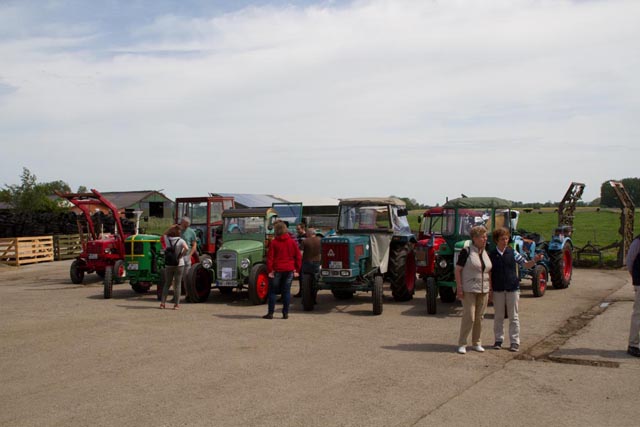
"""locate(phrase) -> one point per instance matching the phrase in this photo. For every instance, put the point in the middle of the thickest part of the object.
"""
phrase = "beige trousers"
(508, 301)
(473, 307)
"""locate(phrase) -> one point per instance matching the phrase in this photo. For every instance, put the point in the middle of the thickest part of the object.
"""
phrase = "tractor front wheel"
(402, 269)
(539, 279)
(309, 292)
(432, 295)
(141, 288)
(561, 267)
(76, 272)
(447, 294)
(378, 295)
(198, 283)
(258, 284)
(108, 283)
(119, 272)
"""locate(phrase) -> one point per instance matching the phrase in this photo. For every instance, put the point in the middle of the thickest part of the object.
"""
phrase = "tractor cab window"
(468, 218)
(216, 211)
(400, 222)
(244, 225)
(440, 223)
(197, 211)
(364, 218)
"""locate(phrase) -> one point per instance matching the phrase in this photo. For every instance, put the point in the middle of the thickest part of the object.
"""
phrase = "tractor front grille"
(335, 252)
(227, 265)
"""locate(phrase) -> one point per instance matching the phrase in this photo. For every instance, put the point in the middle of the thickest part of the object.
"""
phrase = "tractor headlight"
(207, 263)
(245, 263)
(443, 263)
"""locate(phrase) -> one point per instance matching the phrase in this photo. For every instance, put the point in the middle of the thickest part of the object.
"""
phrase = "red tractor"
(102, 240)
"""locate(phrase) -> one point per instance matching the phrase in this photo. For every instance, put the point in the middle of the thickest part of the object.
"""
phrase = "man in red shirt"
(283, 264)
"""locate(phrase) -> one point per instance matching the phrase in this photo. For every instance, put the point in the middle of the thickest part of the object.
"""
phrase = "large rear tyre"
(108, 283)
(378, 296)
(76, 272)
(342, 293)
(432, 295)
(198, 283)
(447, 294)
(539, 280)
(402, 272)
(308, 292)
(561, 267)
(258, 284)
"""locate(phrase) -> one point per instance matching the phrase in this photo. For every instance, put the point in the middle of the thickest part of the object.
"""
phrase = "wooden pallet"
(26, 250)
(66, 246)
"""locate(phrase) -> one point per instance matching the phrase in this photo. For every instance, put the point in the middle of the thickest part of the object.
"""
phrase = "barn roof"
(124, 199)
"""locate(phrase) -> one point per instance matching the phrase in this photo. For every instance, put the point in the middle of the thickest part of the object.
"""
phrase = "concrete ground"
(70, 358)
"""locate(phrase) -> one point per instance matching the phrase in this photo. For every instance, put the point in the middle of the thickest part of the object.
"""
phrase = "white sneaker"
(478, 348)
(462, 350)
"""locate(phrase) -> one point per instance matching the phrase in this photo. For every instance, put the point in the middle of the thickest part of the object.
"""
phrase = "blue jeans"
(280, 284)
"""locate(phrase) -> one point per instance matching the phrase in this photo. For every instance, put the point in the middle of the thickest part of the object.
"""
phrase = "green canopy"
(478, 202)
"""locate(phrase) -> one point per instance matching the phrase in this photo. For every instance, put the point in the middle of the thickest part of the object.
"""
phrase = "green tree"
(608, 198)
(31, 196)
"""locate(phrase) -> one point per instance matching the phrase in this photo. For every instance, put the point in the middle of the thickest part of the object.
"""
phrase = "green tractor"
(241, 260)
(373, 242)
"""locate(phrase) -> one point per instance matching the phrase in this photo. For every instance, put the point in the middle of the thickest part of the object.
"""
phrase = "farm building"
(151, 203)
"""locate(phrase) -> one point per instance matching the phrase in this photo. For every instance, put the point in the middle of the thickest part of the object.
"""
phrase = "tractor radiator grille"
(227, 265)
(335, 252)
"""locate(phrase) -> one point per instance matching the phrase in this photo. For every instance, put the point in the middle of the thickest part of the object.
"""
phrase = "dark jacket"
(504, 275)
(283, 255)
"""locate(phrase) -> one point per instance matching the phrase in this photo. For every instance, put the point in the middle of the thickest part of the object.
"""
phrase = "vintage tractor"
(241, 260)
(206, 220)
(373, 240)
(444, 231)
(143, 262)
(102, 243)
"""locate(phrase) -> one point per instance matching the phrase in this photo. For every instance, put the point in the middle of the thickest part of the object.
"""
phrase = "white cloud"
(423, 99)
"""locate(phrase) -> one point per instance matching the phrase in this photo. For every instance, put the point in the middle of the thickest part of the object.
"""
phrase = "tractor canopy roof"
(373, 201)
(478, 202)
(236, 213)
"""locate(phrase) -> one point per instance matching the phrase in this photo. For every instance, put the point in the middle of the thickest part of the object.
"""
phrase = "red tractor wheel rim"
(262, 285)
(542, 281)
(567, 264)
(410, 272)
(120, 271)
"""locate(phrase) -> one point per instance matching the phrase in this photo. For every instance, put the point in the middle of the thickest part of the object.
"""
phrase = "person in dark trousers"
(310, 254)
(633, 266)
(283, 263)
(506, 287)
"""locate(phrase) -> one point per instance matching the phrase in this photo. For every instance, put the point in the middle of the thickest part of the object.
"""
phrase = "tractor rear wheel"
(539, 280)
(258, 284)
(76, 272)
(308, 292)
(108, 282)
(402, 272)
(198, 283)
(377, 294)
(342, 293)
(561, 267)
(432, 295)
(447, 294)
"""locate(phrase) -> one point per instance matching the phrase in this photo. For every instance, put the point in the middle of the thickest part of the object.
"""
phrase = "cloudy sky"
(416, 98)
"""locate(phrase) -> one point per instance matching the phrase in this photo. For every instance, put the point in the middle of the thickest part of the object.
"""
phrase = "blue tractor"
(373, 243)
